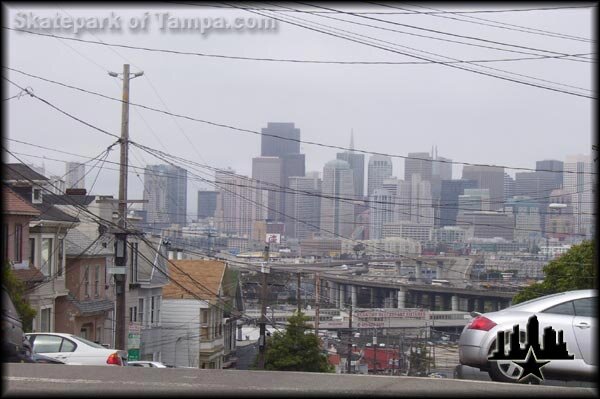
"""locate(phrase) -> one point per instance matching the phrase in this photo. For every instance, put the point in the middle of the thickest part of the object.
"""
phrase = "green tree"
(419, 360)
(575, 270)
(296, 350)
(16, 291)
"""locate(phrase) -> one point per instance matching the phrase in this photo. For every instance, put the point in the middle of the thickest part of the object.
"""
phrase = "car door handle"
(582, 325)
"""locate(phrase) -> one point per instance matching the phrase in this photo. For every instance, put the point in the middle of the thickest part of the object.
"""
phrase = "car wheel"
(503, 370)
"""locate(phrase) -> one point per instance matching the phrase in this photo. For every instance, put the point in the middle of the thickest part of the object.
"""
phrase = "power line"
(426, 52)
(421, 57)
(435, 30)
(303, 61)
(243, 130)
(507, 26)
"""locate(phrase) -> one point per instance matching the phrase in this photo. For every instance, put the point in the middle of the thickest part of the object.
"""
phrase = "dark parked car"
(15, 347)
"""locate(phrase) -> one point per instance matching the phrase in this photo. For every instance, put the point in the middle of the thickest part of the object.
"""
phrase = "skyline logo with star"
(532, 357)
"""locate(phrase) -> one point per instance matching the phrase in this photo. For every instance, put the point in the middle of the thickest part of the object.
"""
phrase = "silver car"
(573, 312)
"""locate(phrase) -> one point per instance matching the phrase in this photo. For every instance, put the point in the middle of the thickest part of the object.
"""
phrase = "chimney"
(75, 191)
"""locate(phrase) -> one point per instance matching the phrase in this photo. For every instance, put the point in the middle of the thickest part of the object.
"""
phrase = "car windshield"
(90, 343)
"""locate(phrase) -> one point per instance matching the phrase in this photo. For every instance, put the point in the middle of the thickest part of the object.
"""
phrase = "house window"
(59, 266)
(151, 310)
(47, 256)
(133, 313)
(86, 282)
(36, 196)
(158, 301)
(141, 310)
(45, 320)
(18, 240)
(204, 316)
(97, 281)
(32, 251)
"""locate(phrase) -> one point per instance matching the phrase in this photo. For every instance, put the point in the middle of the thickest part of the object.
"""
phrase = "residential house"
(201, 305)
(89, 307)
(147, 275)
(46, 249)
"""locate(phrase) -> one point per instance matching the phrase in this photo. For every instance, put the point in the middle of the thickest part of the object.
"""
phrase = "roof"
(14, 204)
(69, 199)
(29, 275)
(91, 306)
(205, 283)
(19, 171)
(77, 242)
(51, 213)
(337, 164)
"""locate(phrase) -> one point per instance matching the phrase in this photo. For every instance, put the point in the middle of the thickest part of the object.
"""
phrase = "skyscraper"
(380, 168)
(418, 163)
(287, 148)
(337, 215)
(240, 203)
(357, 164)
(207, 203)
(75, 172)
(382, 211)
(553, 165)
(490, 177)
(451, 189)
(279, 139)
(269, 173)
(509, 186)
(303, 206)
(581, 184)
(165, 188)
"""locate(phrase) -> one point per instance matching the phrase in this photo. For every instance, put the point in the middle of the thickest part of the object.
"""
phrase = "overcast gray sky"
(391, 108)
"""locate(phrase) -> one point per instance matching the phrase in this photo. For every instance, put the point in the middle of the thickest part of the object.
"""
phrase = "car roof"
(541, 303)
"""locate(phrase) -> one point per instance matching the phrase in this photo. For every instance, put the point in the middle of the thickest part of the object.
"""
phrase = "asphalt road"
(46, 380)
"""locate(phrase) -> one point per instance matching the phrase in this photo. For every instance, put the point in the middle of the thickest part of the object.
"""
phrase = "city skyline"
(458, 113)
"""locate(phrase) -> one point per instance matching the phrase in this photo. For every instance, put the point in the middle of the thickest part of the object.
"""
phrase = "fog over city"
(390, 108)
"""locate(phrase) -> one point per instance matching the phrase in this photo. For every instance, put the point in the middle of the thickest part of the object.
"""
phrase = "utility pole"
(317, 302)
(298, 297)
(262, 340)
(121, 235)
(121, 279)
(375, 352)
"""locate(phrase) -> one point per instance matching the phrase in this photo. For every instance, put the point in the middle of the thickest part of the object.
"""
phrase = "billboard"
(273, 238)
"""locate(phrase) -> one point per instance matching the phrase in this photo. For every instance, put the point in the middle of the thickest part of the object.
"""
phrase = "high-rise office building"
(581, 184)
(418, 163)
(441, 166)
(380, 168)
(553, 168)
(268, 171)
(382, 211)
(279, 139)
(509, 186)
(526, 214)
(357, 164)
(207, 203)
(303, 206)
(75, 175)
(450, 191)
(559, 215)
(240, 203)
(165, 188)
(474, 199)
(282, 140)
(490, 177)
(413, 201)
(337, 214)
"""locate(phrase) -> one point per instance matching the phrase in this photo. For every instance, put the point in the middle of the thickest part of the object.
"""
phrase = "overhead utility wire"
(399, 13)
(585, 60)
(425, 52)
(513, 27)
(435, 30)
(284, 138)
(292, 60)
(421, 57)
